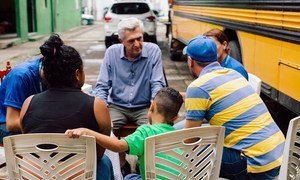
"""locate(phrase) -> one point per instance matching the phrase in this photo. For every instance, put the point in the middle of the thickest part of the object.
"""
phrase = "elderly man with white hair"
(130, 76)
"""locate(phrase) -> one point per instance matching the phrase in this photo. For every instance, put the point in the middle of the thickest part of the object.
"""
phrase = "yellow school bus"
(263, 35)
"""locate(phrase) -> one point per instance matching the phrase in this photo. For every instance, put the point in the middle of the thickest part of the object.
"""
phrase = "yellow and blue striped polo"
(224, 97)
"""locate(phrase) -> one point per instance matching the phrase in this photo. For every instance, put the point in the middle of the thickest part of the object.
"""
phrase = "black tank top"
(56, 110)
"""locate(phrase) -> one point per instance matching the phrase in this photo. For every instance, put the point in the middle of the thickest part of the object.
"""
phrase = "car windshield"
(130, 8)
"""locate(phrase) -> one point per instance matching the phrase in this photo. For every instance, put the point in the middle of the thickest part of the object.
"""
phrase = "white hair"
(129, 24)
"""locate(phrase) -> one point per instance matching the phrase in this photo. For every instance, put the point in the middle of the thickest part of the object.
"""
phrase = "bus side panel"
(289, 66)
(267, 54)
(261, 56)
(186, 29)
(247, 43)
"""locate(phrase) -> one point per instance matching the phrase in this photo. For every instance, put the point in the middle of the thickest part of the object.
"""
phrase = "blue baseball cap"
(202, 49)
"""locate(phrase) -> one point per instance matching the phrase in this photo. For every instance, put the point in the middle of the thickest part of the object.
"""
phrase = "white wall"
(95, 7)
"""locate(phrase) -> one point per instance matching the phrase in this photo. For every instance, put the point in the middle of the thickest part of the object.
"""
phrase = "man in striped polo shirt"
(253, 145)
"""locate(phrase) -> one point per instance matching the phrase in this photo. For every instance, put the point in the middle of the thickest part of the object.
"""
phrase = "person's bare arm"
(107, 142)
(24, 110)
(190, 124)
(103, 119)
(193, 123)
(102, 116)
(13, 119)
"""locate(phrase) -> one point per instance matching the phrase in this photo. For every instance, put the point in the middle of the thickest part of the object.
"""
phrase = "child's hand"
(75, 133)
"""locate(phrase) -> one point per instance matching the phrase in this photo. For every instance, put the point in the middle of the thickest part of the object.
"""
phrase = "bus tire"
(235, 51)
(176, 48)
(175, 56)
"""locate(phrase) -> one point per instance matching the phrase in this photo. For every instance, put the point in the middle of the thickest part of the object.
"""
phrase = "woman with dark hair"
(223, 50)
(64, 105)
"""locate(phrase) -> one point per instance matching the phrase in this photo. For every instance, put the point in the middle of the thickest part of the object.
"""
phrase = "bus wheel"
(176, 48)
(235, 51)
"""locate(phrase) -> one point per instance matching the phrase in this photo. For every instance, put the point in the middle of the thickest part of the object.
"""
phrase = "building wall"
(43, 17)
(67, 15)
(50, 16)
(22, 21)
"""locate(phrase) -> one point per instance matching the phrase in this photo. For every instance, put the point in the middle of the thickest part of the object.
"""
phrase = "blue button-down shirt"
(130, 84)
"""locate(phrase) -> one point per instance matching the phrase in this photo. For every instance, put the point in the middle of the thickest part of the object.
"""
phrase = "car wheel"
(176, 48)
(108, 42)
(84, 22)
(153, 39)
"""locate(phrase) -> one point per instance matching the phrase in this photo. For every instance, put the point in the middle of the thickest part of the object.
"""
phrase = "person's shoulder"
(89, 97)
(144, 130)
(235, 62)
(200, 80)
(114, 47)
(18, 72)
(151, 45)
(145, 126)
(26, 66)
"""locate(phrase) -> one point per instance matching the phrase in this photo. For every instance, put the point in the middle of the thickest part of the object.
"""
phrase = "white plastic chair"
(290, 166)
(50, 156)
(255, 82)
(199, 160)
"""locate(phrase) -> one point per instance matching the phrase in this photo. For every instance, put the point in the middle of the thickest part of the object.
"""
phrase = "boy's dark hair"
(168, 102)
(60, 62)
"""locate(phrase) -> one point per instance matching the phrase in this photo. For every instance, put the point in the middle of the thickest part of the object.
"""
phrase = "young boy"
(162, 113)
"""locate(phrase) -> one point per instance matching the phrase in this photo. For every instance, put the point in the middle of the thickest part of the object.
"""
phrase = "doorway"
(31, 16)
(7, 17)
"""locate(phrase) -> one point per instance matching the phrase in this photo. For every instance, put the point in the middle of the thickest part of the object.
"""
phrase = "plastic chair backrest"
(195, 160)
(291, 162)
(50, 156)
(255, 82)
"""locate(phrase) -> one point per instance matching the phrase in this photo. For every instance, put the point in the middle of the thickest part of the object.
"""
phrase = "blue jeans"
(4, 132)
(104, 169)
(180, 125)
(265, 175)
(234, 166)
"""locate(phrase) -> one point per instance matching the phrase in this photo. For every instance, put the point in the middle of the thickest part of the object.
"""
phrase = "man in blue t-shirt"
(21, 82)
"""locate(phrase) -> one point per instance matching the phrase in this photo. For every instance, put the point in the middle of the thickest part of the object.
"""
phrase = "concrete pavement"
(20, 53)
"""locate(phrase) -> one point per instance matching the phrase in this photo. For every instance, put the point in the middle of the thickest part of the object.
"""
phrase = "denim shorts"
(234, 166)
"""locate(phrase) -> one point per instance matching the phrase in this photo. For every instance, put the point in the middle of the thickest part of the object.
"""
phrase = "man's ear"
(225, 44)
(190, 61)
(77, 74)
(120, 40)
(152, 107)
